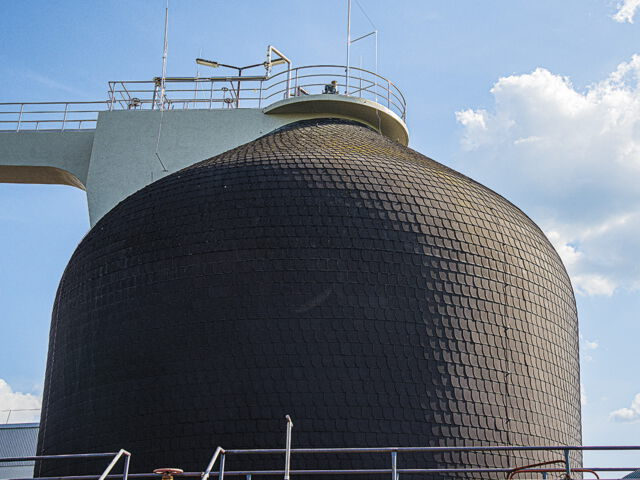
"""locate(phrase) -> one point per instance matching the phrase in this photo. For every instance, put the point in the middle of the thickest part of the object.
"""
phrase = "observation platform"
(145, 130)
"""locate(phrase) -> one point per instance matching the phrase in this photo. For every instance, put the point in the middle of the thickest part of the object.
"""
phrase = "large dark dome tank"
(321, 271)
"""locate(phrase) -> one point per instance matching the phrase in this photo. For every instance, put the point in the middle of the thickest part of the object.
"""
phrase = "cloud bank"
(24, 407)
(626, 11)
(570, 159)
(631, 414)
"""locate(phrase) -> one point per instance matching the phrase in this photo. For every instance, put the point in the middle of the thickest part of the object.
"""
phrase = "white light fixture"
(208, 63)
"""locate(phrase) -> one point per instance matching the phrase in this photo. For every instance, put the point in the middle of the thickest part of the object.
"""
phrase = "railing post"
(394, 465)
(112, 88)
(221, 474)
(248, 476)
(211, 96)
(287, 459)
(544, 475)
(64, 118)
(388, 94)
(125, 473)
(288, 83)
(567, 465)
(20, 116)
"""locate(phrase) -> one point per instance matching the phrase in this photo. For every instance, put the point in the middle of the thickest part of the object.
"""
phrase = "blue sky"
(540, 100)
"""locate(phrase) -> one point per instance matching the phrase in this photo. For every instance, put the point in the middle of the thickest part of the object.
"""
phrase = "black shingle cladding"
(321, 271)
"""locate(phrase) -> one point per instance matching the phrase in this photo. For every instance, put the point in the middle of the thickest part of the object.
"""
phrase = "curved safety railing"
(332, 79)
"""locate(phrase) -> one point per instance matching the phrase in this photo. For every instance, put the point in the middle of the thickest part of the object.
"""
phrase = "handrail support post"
(19, 123)
(64, 118)
(394, 465)
(125, 472)
(287, 460)
(221, 471)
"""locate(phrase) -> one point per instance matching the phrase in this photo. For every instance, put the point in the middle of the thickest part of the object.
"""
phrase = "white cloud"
(626, 11)
(570, 159)
(593, 285)
(24, 406)
(583, 395)
(631, 414)
(590, 345)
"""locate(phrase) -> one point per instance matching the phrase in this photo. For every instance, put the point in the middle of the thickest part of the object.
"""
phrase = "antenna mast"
(164, 56)
(346, 77)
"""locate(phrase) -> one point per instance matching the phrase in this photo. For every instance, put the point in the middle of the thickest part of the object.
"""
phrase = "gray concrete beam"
(46, 157)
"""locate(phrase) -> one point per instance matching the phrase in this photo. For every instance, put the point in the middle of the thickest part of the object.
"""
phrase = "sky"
(537, 99)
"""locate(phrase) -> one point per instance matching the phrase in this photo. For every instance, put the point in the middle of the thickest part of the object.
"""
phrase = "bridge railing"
(223, 92)
(50, 115)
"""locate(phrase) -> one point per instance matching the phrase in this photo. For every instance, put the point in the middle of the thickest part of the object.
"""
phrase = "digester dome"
(321, 271)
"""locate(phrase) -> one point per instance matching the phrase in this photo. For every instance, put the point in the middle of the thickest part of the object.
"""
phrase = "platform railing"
(75, 456)
(59, 116)
(216, 467)
(225, 92)
(394, 470)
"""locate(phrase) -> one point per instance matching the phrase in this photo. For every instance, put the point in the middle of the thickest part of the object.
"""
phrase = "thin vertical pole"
(394, 465)
(125, 473)
(376, 65)
(221, 474)
(64, 119)
(287, 460)
(164, 56)
(567, 465)
(112, 92)
(238, 94)
(20, 117)
(346, 79)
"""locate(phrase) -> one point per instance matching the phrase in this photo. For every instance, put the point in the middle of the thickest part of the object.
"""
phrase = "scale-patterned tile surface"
(321, 271)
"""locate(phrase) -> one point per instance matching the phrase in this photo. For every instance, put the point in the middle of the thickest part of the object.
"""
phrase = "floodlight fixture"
(208, 63)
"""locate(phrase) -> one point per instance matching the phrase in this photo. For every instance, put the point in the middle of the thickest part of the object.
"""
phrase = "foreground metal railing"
(224, 92)
(394, 470)
(105, 474)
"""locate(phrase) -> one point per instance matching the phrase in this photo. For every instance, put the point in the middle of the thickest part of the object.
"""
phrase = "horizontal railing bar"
(51, 457)
(410, 471)
(51, 112)
(434, 449)
(74, 120)
(55, 103)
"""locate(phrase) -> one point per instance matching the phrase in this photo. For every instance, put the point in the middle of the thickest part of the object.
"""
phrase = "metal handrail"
(214, 457)
(205, 93)
(394, 470)
(116, 457)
